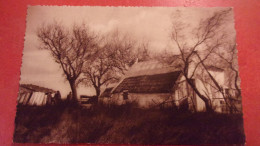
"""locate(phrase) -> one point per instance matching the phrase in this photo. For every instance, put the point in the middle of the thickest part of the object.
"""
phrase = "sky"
(150, 24)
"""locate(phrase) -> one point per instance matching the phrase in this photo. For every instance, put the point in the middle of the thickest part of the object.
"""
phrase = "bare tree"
(115, 54)
(207, 37)
(70, 48)
(228, 59)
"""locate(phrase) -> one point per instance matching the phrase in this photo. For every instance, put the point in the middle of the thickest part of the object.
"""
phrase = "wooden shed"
(34, 95)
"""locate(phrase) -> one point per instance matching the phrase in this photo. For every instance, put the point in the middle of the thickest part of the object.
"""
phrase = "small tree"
(70, 48)
(115, 54)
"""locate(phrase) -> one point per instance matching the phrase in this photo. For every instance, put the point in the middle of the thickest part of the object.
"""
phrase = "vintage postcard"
(129, 75)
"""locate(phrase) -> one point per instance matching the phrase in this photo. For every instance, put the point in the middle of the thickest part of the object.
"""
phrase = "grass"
(32, 122)
(117, 124)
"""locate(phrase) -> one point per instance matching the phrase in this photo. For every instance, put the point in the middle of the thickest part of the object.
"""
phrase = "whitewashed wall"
(214, 95)
(200, 105)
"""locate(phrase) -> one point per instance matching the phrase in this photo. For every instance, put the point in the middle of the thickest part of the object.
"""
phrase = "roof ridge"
(152, 74)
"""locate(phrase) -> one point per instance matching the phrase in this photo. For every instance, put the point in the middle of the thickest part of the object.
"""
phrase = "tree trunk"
(230, 106)
(205, 99)
(97, 91)
(73, 90)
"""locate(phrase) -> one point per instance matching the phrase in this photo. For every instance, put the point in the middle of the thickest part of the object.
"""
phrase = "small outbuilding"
(35, 95)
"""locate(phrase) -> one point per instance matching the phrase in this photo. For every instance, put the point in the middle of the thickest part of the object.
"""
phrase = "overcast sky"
(143, 23)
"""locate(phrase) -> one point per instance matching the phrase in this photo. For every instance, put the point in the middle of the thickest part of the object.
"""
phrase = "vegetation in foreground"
(124, 124)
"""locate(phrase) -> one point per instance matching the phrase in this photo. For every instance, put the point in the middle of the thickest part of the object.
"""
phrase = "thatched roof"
(149, 68)
(156, 83)
(36, 88)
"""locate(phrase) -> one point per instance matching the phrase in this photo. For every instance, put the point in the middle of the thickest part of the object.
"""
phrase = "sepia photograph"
(129, 75)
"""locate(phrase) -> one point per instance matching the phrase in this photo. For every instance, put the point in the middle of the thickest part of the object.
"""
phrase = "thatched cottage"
(152, 83)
